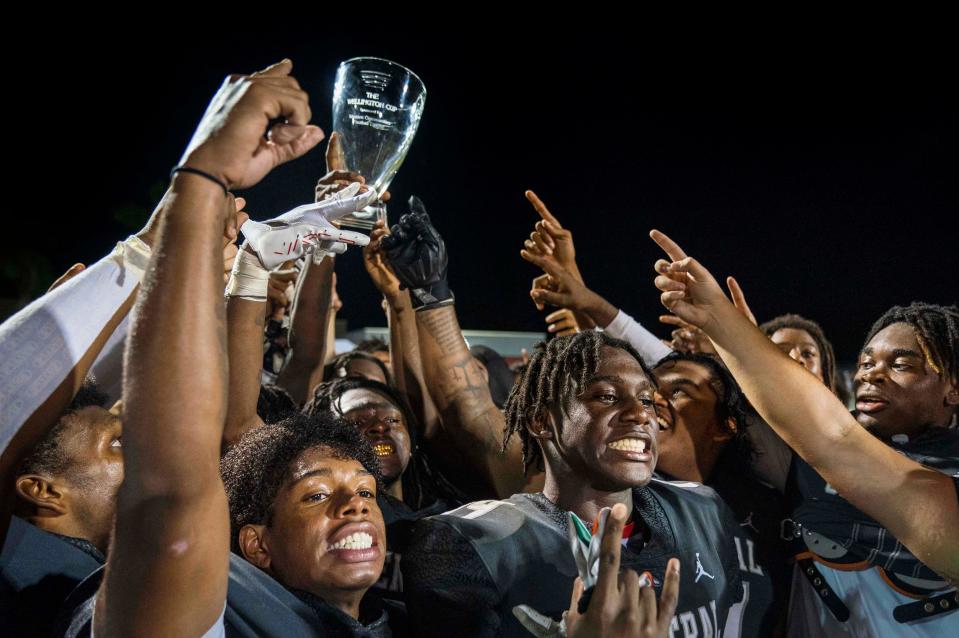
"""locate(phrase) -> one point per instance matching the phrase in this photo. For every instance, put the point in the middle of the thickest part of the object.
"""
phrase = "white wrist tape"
(248, 279)
(134, 255)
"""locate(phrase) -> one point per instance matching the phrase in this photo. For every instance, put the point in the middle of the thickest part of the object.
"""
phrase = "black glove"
(417, 255)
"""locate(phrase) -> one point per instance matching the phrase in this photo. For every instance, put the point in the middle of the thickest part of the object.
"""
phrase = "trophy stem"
(366, 218)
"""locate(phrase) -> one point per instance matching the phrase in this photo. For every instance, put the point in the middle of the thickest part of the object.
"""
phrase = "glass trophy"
(377, 106)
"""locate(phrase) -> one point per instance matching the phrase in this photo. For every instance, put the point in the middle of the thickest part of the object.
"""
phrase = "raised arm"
(551, 244)
(405, 357)
(167, 570)
(310, 333)
(918, 505)
(469, 418)
(245, 307)
(471, 423)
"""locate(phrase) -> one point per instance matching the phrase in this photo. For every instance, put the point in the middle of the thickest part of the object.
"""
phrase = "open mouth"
(663, 420)
(869, 403)
(356, 540)
(632, 446)
(354, 543)
(383, 449)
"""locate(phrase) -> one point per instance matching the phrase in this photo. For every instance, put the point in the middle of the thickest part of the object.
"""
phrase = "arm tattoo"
(442, 326)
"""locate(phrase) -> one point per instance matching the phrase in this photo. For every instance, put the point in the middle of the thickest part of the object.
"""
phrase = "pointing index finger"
(670, 247)
(541, 208)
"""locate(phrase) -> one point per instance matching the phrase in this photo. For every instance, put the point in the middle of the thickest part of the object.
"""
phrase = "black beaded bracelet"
(196, 171)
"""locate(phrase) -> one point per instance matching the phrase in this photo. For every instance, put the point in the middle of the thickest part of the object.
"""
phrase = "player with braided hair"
(907, 382)
(937, 332)
(584, 410)
(874, 502)
(555, 369)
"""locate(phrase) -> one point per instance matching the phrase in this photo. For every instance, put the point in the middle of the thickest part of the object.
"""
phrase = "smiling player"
(584, 410)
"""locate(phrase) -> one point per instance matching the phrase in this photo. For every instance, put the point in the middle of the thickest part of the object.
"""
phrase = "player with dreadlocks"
(906, 396)
(358, 363)
(584, 410)
(706, 433)
(875, 489)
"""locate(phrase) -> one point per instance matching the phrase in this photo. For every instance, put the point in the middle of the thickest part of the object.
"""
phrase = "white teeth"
(357, 540)
(629, 445)
(662, 422)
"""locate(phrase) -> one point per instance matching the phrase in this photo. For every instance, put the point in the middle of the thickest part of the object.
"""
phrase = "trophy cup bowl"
(377, 106)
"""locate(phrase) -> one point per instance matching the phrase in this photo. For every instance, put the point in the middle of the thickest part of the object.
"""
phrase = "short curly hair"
(260, 463)
(49, 457)
(274, 403)
(557, 369)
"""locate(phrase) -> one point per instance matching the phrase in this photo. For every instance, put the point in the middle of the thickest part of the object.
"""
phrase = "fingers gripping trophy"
(377, 106)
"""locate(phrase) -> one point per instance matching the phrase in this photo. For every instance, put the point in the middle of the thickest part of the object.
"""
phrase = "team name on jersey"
(699, 623)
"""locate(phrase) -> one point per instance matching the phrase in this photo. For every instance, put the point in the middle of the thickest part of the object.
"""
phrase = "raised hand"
(550, 238)
(622, 604)
(376, 265)
(234, 141)
(558, 287)
(71, 272)
(416, 251)
(562, 323)
(688, 338)
(338, 175)
(233, 223)
(542, 282)
(689, 291)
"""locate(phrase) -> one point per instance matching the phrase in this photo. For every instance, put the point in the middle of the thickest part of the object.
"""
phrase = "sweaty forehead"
(680, 369)
(619, 363)
(322, 460)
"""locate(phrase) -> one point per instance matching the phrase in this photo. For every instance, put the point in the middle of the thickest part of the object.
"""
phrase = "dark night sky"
(828, 187)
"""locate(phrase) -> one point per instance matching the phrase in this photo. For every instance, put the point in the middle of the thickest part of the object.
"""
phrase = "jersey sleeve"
(448, 589)
(42, 343)
(649, 347)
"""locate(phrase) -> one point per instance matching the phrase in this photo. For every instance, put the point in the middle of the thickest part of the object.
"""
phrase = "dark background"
(825, 183)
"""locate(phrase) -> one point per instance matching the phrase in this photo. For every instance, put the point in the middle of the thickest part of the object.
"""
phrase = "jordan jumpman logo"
(700, 572)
